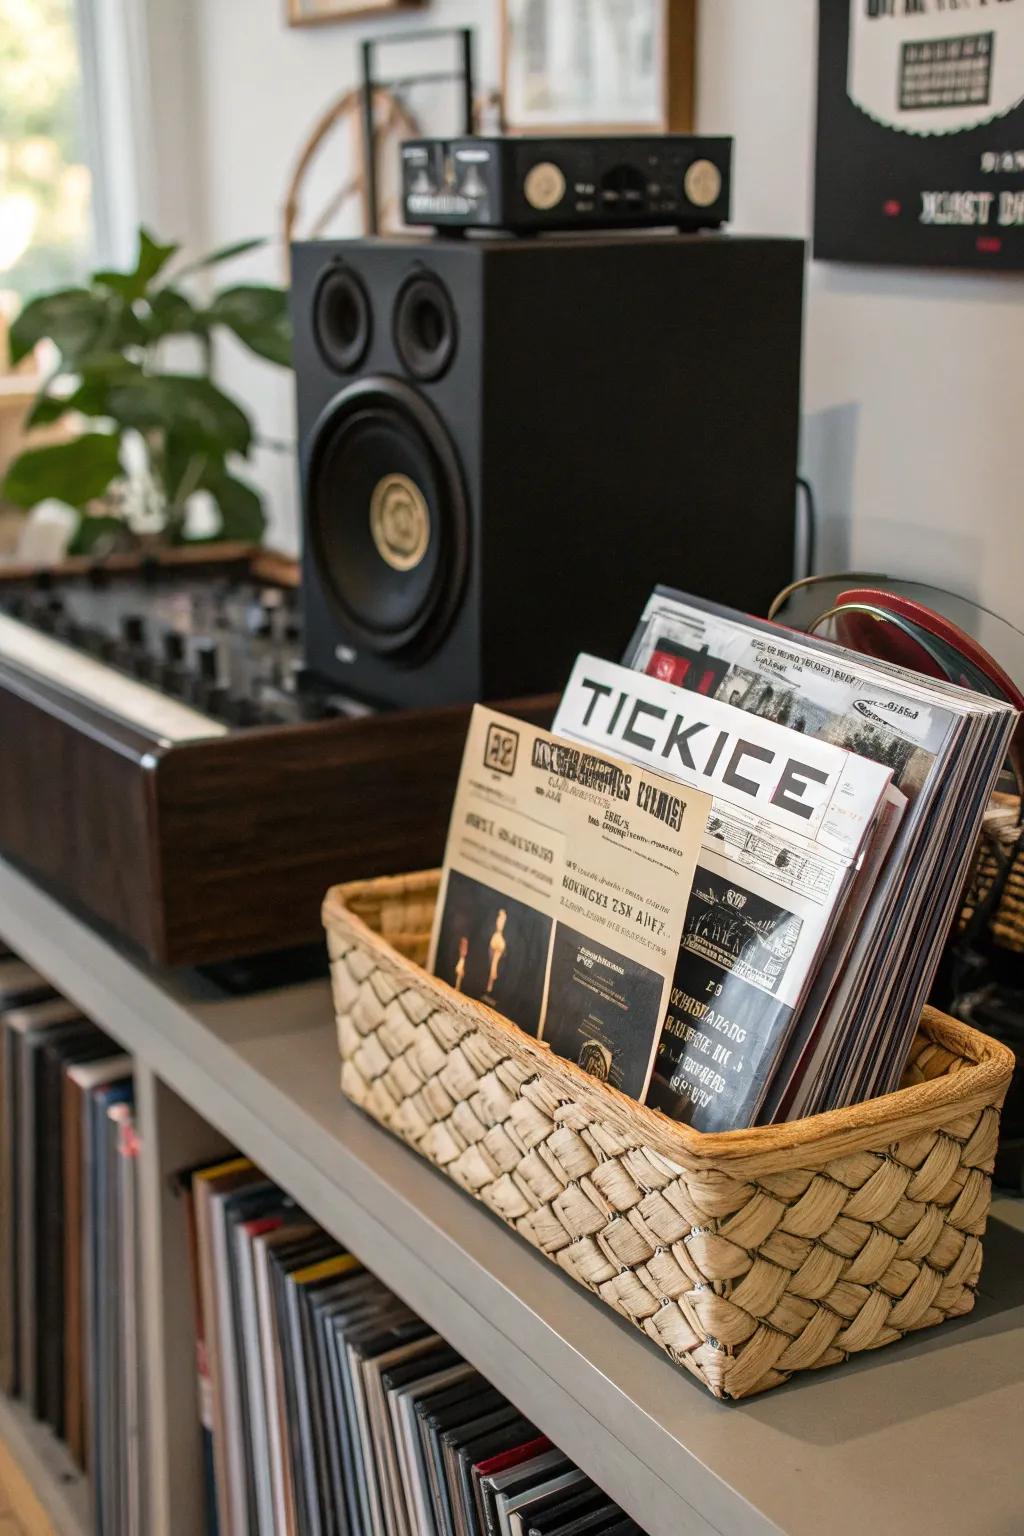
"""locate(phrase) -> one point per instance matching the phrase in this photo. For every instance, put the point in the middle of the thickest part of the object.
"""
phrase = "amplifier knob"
(544, 186)
(702, 183)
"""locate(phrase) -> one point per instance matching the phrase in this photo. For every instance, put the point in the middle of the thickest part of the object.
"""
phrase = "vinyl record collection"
(841, 805)
(69, 1345)
(330, 1409)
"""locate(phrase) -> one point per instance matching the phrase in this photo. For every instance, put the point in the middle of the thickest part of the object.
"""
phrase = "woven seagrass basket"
(746, 1256)
(1000, 869)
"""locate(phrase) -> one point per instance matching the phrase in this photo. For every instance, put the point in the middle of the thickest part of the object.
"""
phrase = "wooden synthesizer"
(168, 766)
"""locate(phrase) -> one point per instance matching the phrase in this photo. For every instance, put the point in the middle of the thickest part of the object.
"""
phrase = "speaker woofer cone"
(386, 518)
(342, 319)
(425, 329)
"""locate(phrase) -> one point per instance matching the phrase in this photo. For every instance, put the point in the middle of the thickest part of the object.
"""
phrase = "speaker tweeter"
(342, 320)
(425, 327)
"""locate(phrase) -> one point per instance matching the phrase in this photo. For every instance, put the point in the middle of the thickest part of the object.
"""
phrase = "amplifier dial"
(702, 183)
(544, 185)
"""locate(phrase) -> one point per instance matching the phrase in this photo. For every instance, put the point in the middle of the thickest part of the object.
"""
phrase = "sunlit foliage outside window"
(44, 182)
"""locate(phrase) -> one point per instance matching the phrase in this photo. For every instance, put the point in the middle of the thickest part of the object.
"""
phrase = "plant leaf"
(47, 409)
(240, 507)
(171, 313)
(198, 414)
(99, 373)
(225, 253)
(152, 258)
(99, 529)
(73, 318)
(75, 472)
(258, 315)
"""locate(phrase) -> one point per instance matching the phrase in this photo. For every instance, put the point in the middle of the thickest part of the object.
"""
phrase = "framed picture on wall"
(570, 66)
(311, 13)
(920, 158)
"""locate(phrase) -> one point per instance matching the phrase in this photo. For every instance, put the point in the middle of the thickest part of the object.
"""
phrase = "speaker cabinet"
(505, 444)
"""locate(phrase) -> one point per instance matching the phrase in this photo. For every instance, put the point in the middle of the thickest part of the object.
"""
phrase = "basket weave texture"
(747, 1256)
(1001, 845)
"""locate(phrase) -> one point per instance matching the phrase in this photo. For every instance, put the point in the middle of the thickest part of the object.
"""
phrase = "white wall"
(913, 380)
(913, 385)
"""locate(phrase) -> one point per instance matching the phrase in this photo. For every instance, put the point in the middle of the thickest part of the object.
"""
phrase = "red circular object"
(943, 629)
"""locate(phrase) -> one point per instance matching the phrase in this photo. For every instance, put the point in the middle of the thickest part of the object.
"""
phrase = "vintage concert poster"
(920, 150)
(566, 879)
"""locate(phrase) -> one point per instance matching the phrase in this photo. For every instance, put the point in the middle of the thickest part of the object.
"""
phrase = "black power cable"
(810, 524)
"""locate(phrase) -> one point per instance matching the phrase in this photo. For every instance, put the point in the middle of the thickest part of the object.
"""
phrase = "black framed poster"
(920, 157)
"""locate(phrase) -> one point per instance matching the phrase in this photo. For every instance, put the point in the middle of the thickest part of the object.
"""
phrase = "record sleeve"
(227, 1209)
(448, 1445)
(465, 1505)
(231, 1173)
(427, 1366)
(301, 1453)
(79, 1080)
(527, 1474)
(291, 1242)
(483, 1472)
(595, 1523)
(304, 1286)
(351, 1297)
(514, 1507)
(246, 1235)
(410, 1449)
(451, 1409)
(18, 1015)
(83, 1042)
(36, 1138)
(394, 1327)
(381, 1307)
(559, 1509)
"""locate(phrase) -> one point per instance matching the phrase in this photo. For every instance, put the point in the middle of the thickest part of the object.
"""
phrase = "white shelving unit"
(922, 1437)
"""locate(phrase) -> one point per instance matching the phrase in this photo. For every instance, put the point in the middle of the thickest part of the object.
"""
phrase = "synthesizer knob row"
(230, 649)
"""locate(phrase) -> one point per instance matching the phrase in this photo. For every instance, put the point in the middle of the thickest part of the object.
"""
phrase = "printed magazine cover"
(565, 881)
(790, 819)
(944, 746)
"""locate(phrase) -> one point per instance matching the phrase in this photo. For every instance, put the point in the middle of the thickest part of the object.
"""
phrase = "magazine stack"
(848, 796)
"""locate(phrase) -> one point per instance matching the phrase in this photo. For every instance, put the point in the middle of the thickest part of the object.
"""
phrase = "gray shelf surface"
(922, 1437)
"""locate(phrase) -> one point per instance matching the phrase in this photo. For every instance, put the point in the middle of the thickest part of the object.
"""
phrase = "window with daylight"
(45, 221)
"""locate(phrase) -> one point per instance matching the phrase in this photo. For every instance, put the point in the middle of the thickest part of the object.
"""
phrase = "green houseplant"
(152, 437)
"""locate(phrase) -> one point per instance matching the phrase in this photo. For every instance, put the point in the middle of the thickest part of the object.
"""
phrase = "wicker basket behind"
(746, 1256)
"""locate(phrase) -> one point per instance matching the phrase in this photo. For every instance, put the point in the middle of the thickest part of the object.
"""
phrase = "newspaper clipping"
(565, 883)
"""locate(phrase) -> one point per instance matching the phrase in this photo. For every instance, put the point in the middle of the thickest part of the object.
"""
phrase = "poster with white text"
(920, 150)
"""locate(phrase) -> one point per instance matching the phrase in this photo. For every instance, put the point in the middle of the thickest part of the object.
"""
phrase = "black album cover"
(743, 933)
(595, 996)
(920, 153)
(725, 1021)
(494, 948)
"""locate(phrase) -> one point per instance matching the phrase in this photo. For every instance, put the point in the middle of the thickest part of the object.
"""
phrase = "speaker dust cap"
(386, 514)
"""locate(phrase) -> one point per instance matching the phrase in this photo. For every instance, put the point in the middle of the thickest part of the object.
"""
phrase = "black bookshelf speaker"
(505, 444)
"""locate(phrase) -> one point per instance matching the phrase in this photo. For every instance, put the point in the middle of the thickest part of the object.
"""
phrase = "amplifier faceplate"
(527, 185)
